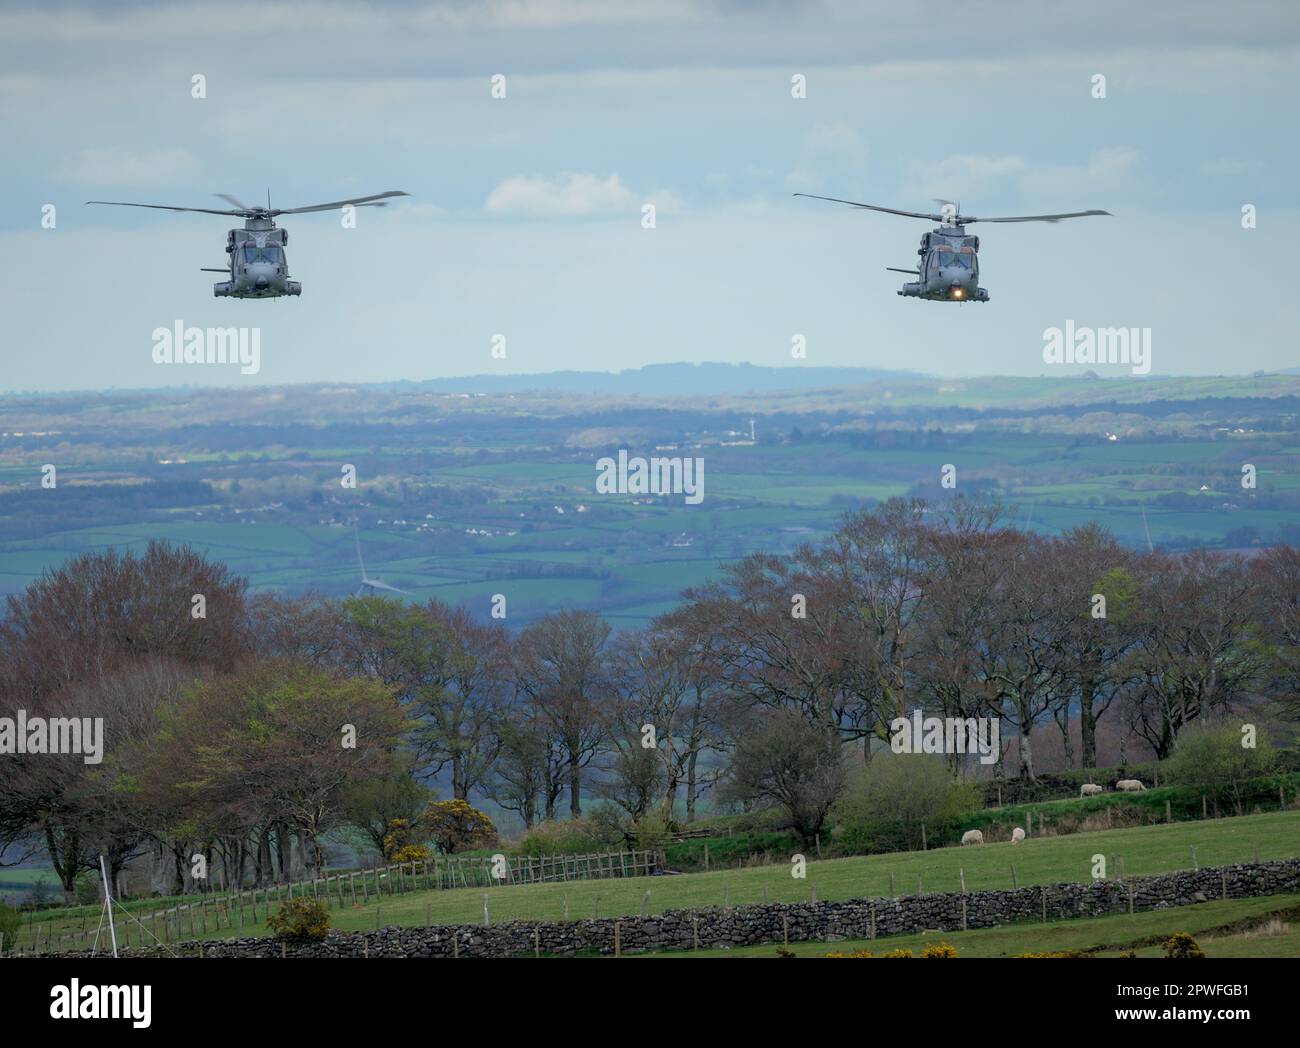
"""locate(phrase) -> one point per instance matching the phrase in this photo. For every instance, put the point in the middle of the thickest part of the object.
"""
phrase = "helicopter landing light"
(958, 293)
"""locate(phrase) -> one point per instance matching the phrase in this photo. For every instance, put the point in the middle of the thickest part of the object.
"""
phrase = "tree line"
(244, 727)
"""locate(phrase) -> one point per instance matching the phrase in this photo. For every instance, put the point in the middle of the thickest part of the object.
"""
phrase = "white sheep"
(1017, 835)
(972, 837)
(1090, 789)
(1129, 784)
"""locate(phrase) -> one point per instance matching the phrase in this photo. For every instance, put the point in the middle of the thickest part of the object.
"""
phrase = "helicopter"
(950, 268)
(257, 266)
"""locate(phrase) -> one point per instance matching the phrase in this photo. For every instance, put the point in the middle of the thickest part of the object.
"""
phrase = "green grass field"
(1047, 860)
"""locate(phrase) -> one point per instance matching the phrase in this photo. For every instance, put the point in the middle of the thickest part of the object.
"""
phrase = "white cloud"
(965, 176)
(834, 137)
(125, 166)
(1115, 169)
(579, 195)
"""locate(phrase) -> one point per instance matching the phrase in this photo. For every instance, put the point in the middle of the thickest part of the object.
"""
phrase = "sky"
(525, 218)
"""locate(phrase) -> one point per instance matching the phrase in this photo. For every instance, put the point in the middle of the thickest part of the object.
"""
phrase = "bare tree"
(560, 667)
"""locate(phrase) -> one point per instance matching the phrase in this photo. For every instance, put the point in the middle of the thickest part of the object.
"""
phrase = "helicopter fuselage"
(949, 268)
(258, 266)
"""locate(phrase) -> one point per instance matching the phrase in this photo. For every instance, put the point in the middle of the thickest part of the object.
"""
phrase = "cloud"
(579, 195)
(834, 136)
(123, 166)
(963, 176)
(1229, 166)
(1113, 169)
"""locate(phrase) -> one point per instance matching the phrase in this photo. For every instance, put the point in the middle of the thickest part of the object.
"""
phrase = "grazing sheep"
(1129, 784)
(1017, 835)
(1090, 789)
(972, 837)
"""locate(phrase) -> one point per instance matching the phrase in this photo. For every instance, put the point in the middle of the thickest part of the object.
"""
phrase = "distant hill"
(667, 379)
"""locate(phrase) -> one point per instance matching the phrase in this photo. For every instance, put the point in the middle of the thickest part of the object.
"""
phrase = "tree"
(1197, 654)
(278, 741)
(797, 766)
(458, 729)
(1276, 575)
(906, 789)
(1215, 757)
(560, 670)
(963, 579)
(455, 826)
(1095, 652)
(374, 804)
(664, 696)
(67, 645)
(525, 776)
(880, 559)
(449, 670)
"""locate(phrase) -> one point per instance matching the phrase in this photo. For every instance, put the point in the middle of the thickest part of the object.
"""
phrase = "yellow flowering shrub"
(300, 918)
(1181, 944)
(939, 949)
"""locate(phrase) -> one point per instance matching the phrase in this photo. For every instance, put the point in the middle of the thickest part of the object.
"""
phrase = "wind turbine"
(367, 583)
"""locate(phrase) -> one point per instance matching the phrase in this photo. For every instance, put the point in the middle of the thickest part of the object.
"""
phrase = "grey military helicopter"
(950, 268)
(257, 267)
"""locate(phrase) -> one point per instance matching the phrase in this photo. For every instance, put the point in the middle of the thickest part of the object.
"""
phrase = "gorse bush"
(400, 845)
(939, 949)
(456, 826)
(300, 918)
(1181, 944)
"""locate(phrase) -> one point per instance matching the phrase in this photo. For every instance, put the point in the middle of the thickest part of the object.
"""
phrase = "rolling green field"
(1045, 860)
(460, 499)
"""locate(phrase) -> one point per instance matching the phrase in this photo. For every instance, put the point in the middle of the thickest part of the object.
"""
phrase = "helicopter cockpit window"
(270, 253)
(954, 258)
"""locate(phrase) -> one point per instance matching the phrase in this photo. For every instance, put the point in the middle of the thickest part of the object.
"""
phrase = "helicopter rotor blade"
(334, 205)
(168, 207)
(876, 207)
(231, 200)
(1037, 218)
